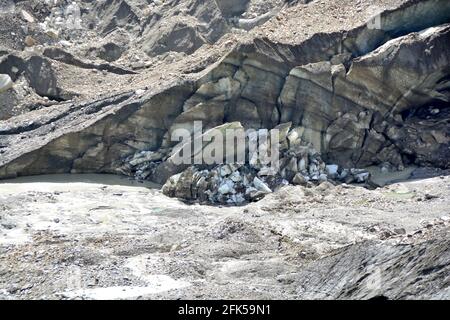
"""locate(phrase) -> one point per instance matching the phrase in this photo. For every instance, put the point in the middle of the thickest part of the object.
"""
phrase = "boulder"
(332, 170)
(283, 131)
(171, 166)
(30, 41)
(261, 186)
(28, 17)
(299, 180)
(227, 187)
(362, 176)
(5, 83)
(110, 52)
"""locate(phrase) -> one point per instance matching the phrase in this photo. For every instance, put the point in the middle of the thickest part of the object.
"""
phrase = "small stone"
(145, 156)
(5, 83)
(302, 164)
(261, 186)
(250, 190)
(344, 174)
(325, 185)
(362, 177)
(385, 234)
(225, 171)
(8, 226)
(238, 198)
(332, 170)
(299, 180)
(234, 166)
(435, 111)
(30, 41)
(266, 171)
(138, 65)
(429, 196)
(27, 16)
(400, 231)
(226, 188)
(65, 43)
(294, 138)
(13, 289)
(256, 195)
(52, 34)
(236, 177)
(313, 171)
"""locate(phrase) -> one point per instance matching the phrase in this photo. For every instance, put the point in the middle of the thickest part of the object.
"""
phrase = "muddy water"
(70, 182)
(69, 203)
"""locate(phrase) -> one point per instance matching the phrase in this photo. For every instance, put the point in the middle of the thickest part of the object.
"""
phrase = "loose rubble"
(5, 83)
(237, 183)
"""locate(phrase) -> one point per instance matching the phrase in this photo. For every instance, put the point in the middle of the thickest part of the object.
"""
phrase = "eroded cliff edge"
(362, 96)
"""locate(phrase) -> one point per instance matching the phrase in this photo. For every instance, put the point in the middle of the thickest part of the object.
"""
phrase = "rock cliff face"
(367, 95)
(376, 273)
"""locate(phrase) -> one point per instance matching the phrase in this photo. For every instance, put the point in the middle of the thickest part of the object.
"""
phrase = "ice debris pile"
(237, 183)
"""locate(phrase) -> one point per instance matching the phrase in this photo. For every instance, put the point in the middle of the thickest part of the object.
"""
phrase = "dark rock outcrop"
(379, 271)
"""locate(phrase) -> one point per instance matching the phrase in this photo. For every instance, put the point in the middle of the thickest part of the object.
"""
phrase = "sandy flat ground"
(106, 237)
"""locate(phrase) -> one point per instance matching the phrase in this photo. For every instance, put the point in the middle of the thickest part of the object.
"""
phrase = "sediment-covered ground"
(102, 237)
